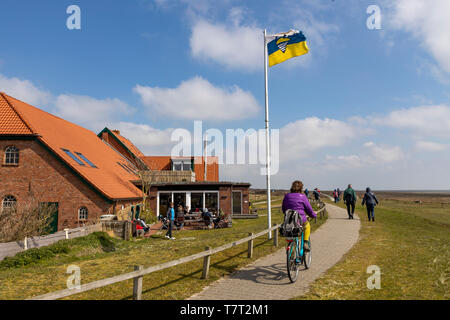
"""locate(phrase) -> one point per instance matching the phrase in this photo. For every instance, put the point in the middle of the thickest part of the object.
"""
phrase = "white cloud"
(197, 98)
(235, 46)
(371, 155)
(149, 140)
(429, 146)
(86, 111)
(428, 22)
(24, 90)
(426, 120)
(333, 163)
(299, 139)
(90, 112)
(317, 32)
(381, 154)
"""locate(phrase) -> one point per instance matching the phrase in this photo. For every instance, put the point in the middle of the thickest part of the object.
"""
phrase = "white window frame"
(182, 162)
(87, 214)
(16, 153)
(188, 198)
(9, 207)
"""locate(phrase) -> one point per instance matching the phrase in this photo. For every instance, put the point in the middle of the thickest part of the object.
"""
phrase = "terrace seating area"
(198, 221)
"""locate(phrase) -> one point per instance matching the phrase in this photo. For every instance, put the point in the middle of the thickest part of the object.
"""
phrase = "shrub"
(35, 255)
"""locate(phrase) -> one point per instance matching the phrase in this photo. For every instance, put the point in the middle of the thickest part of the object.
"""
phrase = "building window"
(83, 214)
(212, 202)
(182, 165)
(9, 203)
(70, 154)
(11, 156)
(86, 160)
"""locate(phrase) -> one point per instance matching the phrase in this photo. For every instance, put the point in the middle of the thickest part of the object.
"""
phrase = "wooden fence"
(140, 271)
(12, 248)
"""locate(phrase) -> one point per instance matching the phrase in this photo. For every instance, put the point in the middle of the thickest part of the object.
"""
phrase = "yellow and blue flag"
(286, 46)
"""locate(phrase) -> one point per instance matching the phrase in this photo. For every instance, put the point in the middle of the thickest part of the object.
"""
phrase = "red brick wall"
(225, 199)
(245, 198)
(43, 177)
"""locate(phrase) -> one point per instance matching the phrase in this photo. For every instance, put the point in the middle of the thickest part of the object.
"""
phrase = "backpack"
(292, 224)
(348, 197)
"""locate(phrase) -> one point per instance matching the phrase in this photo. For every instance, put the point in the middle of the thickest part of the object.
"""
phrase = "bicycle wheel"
(307, 256)
(292, 266)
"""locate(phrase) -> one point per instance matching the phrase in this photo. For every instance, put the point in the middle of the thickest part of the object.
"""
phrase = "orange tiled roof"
(128, 144)
(158, 162)
(10, 120)
(109, 177)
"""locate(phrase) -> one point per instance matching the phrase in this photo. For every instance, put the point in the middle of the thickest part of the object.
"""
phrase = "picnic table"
(192, 216)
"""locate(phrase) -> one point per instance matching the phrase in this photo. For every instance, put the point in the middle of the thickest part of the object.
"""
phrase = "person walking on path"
(171, 218)
(297, 201)
(316, 194)
(350, 201)
(307, 193)
(370, 199)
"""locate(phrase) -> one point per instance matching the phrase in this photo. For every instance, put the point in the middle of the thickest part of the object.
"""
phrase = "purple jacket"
(300, 203)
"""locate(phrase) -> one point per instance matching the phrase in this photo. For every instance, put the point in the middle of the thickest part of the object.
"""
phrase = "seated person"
(207, 216)
(139, 226)
(219, 218)
(179, 216)
(143, 225)
(187, 210)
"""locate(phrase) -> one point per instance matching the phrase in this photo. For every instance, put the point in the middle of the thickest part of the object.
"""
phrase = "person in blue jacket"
(171, 219)
(371, 201)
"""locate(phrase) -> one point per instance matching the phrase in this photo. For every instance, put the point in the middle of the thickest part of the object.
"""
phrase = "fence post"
(67, 233)
(137, 285)
(206, 262)
(250, 247)
(275, 238)
(25, 244)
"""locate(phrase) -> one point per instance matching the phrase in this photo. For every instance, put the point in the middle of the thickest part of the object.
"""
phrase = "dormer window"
(11, 157)
(182, 165)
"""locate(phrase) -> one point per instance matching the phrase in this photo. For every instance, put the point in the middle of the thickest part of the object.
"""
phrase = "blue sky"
(369, 107)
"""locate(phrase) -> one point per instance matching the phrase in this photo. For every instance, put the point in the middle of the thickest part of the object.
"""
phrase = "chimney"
(116, 132)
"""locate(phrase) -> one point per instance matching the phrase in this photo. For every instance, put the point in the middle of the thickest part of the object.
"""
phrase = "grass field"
(409, 241)
(100, 256)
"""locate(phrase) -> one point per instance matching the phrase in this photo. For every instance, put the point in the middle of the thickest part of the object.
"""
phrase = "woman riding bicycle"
(297, 201)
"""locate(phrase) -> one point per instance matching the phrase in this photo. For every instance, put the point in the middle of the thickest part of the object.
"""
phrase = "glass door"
(164, 200)
(197, 201)
(179, 199)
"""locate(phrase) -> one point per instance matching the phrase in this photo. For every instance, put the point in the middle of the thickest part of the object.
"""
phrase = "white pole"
(269, 202)
(206, 159)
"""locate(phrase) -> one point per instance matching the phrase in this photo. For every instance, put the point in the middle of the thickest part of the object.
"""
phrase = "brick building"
(232, 198)
(48, 160)
(164, 164)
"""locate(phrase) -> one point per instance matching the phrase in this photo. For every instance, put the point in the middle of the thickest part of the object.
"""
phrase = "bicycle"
(297, 255)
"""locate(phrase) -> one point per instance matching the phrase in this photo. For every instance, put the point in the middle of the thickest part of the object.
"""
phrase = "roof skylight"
(85, 159)
(70, 154)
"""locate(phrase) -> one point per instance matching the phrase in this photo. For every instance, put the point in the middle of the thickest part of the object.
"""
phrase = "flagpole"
(268, 164)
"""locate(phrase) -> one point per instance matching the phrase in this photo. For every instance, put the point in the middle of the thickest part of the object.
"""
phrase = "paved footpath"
(266, 278)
